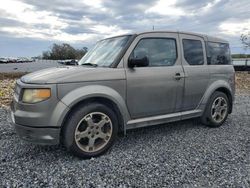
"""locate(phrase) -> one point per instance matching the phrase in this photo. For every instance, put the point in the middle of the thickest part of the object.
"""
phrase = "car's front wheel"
(216, 111)
(90, 130)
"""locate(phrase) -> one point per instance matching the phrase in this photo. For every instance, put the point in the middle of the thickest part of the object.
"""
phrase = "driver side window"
(159, 51)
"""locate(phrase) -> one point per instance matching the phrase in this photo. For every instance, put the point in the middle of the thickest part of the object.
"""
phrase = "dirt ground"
(242, 82)
(6, 91)
(7, 83)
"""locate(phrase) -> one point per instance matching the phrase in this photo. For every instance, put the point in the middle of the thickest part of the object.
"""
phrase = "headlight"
(35, 95)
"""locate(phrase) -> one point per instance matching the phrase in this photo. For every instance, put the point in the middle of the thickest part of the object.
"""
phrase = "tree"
(46, 55)
(64, 51)
(245, 39)
(81, 52)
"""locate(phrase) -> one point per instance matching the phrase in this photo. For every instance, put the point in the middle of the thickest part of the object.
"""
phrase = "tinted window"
(159, 51)
(218, 53)
(193, 52)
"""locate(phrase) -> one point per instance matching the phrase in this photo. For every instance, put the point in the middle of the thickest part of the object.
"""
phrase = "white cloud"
(85, 21)
(209, 6)
(27, 14)
(48, 34)
(165, 7)
(169, 8)
(95, 4)
(235, 28)
(30, 17)
(109, 30)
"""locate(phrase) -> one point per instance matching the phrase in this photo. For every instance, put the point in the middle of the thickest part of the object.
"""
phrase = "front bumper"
(39, 122)
(37, 135)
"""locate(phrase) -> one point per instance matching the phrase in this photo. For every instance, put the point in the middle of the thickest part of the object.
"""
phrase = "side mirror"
(138, 62)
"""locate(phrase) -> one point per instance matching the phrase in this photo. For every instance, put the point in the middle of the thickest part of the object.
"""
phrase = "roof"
(206, 37)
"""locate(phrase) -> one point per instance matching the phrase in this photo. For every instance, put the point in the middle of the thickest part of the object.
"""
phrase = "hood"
(67, 74)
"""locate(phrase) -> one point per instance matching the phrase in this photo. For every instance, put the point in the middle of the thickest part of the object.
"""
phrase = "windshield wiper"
(91, 64)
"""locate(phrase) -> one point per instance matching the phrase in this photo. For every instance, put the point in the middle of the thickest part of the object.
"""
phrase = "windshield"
(105, 51)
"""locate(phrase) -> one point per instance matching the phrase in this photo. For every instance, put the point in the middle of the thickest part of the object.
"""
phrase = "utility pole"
(153, 27)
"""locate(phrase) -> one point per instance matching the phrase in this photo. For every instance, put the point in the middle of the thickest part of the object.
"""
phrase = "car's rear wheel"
(90, 130)
(216, 111)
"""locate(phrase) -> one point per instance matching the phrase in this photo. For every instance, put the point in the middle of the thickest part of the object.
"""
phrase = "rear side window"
(193, 52)
(218, 53)
(159, 51)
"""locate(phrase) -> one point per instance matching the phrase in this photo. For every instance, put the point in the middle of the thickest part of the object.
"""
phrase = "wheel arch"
(221, 86)
(100, 94)
(102, 100)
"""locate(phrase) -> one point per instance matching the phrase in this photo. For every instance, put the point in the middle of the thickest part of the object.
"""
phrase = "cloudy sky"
(28, 27)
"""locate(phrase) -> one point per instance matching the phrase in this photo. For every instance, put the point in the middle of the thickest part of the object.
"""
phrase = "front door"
(158, 88)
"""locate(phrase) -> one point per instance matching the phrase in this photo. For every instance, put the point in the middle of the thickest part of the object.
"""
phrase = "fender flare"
(87, 92)
(212, 88)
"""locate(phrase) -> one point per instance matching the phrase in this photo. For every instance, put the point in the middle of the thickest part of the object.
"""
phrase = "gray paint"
(114, 91)
(196, 77)
(144, 95)
(73, 74)
(157, 90)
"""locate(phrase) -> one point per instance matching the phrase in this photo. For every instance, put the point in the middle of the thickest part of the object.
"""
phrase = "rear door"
(155, 89)
(196, 70)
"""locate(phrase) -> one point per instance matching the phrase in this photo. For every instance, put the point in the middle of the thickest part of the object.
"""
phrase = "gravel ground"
(181, 154)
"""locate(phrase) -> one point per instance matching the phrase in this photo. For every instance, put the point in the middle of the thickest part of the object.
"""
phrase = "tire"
(214, 116)
(90, 130)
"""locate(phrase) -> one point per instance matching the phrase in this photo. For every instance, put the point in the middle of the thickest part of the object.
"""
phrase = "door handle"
(179, 76)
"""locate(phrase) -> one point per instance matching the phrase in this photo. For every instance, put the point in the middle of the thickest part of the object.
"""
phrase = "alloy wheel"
(93, 132)
(219, 109)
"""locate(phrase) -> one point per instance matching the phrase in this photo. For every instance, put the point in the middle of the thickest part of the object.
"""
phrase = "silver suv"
(126, 82)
